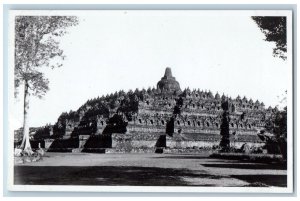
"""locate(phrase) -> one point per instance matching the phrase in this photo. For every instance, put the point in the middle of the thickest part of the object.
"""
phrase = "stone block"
(48, 143)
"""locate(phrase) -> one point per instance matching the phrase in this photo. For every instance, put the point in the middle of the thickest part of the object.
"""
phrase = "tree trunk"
(25, 142)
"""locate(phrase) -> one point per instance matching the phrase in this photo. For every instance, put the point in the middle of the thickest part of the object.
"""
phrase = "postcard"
(151, 101)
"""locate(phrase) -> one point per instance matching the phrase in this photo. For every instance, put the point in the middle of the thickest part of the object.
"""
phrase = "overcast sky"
(110, 51)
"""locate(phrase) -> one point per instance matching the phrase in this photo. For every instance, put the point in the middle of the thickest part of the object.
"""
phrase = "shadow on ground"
(103, 175)
(263, 180)
(258, 166)
(142, 176)
(182, 157)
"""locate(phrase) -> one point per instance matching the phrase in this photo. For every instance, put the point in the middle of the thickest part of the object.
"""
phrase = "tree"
(274, 29)
(276, 124)
(225, 142)
(36, 46)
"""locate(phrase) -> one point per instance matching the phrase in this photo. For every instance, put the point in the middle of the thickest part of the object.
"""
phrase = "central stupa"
(168, 83)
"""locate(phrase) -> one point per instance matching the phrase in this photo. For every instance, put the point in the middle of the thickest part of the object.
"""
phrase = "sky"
(109, 51)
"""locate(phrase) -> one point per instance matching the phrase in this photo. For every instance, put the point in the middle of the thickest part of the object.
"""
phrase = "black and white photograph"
(151, 100)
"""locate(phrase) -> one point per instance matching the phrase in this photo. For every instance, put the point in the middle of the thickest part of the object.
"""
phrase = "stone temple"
(197, 126)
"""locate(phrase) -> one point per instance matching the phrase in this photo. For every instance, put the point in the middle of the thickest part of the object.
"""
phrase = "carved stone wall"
(201, 113)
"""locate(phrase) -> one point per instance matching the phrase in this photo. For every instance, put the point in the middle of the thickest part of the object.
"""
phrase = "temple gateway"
(144, 115)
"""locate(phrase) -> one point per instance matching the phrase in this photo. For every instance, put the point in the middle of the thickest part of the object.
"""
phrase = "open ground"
(147, 170)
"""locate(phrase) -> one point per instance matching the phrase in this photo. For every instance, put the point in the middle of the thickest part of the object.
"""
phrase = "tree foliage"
(36, 46)
(277, 123)
(274, 29)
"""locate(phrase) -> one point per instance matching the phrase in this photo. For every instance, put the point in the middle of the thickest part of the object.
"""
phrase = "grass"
(259, 158)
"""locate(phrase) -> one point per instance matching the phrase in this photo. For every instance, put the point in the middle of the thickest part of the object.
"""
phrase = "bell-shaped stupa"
(168, 83)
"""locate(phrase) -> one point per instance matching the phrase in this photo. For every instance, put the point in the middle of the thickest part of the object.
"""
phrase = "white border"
(60, 188)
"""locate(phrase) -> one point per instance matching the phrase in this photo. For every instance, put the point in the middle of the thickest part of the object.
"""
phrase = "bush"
(256, 150)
